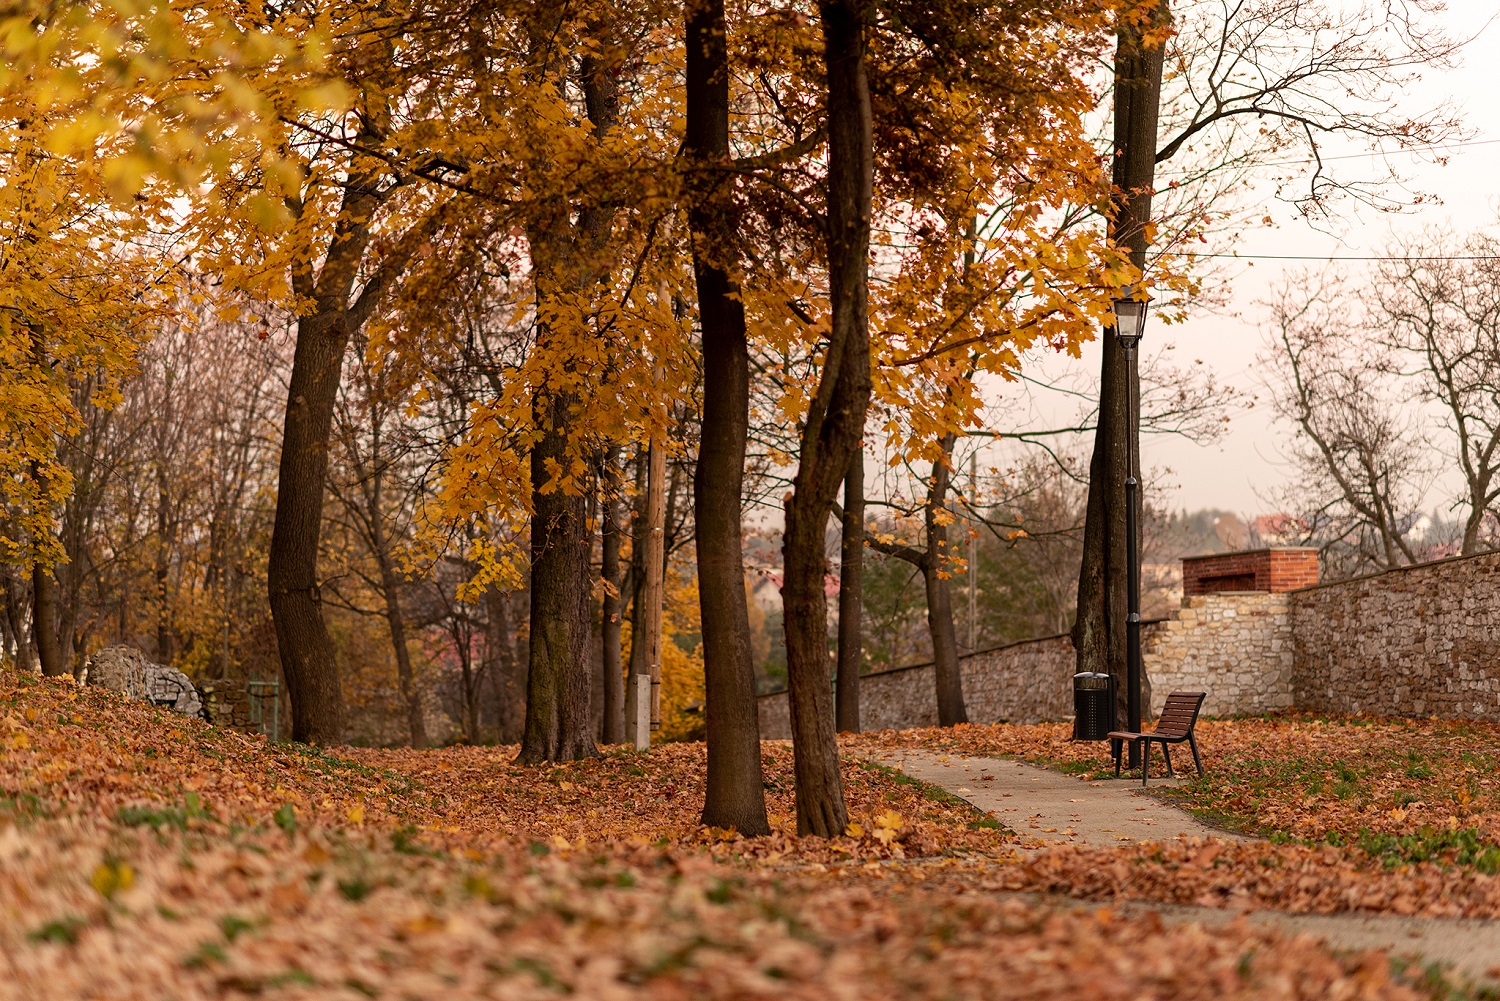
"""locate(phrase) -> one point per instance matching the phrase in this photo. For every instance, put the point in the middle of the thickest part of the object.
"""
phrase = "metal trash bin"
(1093, 705)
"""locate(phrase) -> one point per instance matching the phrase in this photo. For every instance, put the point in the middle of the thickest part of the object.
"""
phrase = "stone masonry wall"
(1024, 682)
(1236, 647)
(1417, 641)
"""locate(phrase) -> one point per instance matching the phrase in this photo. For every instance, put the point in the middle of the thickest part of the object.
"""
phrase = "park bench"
(1174, 726)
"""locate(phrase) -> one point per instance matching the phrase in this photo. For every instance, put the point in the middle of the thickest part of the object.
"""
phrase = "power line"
(1359, 156)
(1336, 257)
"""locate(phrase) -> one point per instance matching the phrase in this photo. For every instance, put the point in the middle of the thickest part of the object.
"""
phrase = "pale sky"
(1240, 471)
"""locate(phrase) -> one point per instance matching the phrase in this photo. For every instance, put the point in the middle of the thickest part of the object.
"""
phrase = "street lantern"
(1130, 318)
(1130, 322)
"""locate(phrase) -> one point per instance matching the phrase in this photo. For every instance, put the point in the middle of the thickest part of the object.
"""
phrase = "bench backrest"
(1180, 713)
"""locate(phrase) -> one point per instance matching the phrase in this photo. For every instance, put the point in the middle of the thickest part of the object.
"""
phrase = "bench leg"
(1145, 761)
(1166, 752)
(1197, 759)
(1114, 748)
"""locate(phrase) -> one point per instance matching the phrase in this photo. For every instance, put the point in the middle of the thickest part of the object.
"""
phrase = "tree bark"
(950, 688)
(506, 683)
(735, 796)
(395, 618)
(44, 622)
(610, 618)
(851, 595)
(163, 565)
(559, 717)
(1099, 629)
(307, 655)
(16, 619)
(834, 424)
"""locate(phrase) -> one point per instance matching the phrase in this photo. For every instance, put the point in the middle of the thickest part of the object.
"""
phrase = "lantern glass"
(1130, 319)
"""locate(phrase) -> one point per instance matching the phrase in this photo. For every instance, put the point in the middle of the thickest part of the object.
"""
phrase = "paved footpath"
(1052, 807)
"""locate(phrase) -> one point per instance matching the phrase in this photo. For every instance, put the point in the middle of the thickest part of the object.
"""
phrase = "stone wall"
(1236, 647)
(1417, 641)
(1025, 682)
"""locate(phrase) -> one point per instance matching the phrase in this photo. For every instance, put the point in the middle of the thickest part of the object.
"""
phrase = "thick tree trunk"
(834, 423)
(44, 622)
(559, 718)
(950, 687)
(735, 795)
(1099, 629)
(307, 654)
(559, 713)
(851, 595)
(610, 617)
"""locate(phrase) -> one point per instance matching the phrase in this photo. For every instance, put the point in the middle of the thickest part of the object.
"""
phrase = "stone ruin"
(126, 670)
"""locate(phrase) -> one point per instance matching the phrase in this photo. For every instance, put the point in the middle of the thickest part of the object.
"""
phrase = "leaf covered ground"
(1388, 816)
(147, 856)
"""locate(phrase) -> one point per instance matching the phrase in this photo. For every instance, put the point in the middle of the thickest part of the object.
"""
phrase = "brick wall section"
(1418, 641)
(1275, 570)
(1024, 682)
(1236, 647)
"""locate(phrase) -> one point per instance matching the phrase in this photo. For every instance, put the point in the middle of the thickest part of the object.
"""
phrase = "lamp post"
(1130, 321)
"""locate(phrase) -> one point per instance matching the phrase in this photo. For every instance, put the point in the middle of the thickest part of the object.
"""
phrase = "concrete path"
(1052, 807)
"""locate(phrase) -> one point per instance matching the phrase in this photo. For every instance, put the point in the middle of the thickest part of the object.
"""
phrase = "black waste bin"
(1093, 705)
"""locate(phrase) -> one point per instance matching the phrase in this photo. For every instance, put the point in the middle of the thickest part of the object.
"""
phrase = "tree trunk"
(851, 595)
(735, 794)
(163, 567)
(44, 622)
(49, 653)
(950, 686)
(834, 424)
(637, 570)
(15, 613)
(559, 713)
(559, 718)
(307, 654)
(395, 618)
(609, 620)
(1099, 629)
(506, 683)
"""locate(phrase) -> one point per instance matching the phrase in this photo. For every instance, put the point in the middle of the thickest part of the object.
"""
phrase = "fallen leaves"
(145, 856)
(621, 796)
(258, 914)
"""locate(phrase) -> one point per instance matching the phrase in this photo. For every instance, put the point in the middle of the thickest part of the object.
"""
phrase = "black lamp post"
(1130, 321)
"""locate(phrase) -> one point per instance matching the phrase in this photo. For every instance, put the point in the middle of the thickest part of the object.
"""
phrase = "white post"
(638, 711)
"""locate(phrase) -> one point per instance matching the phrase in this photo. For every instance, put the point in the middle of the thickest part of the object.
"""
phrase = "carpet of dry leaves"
(147, 856)
(1385, 816)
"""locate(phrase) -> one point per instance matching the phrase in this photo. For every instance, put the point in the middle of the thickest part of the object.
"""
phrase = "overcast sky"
(1242, 471)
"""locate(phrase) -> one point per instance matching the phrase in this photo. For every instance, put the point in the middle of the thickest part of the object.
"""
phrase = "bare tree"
(1363, 461)
(1439, 300)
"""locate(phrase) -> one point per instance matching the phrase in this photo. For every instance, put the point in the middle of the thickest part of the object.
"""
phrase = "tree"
(1440, 297)
(734, 796)
(364, 431)
(835, 419)
(936, 561)
(1247, 88)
